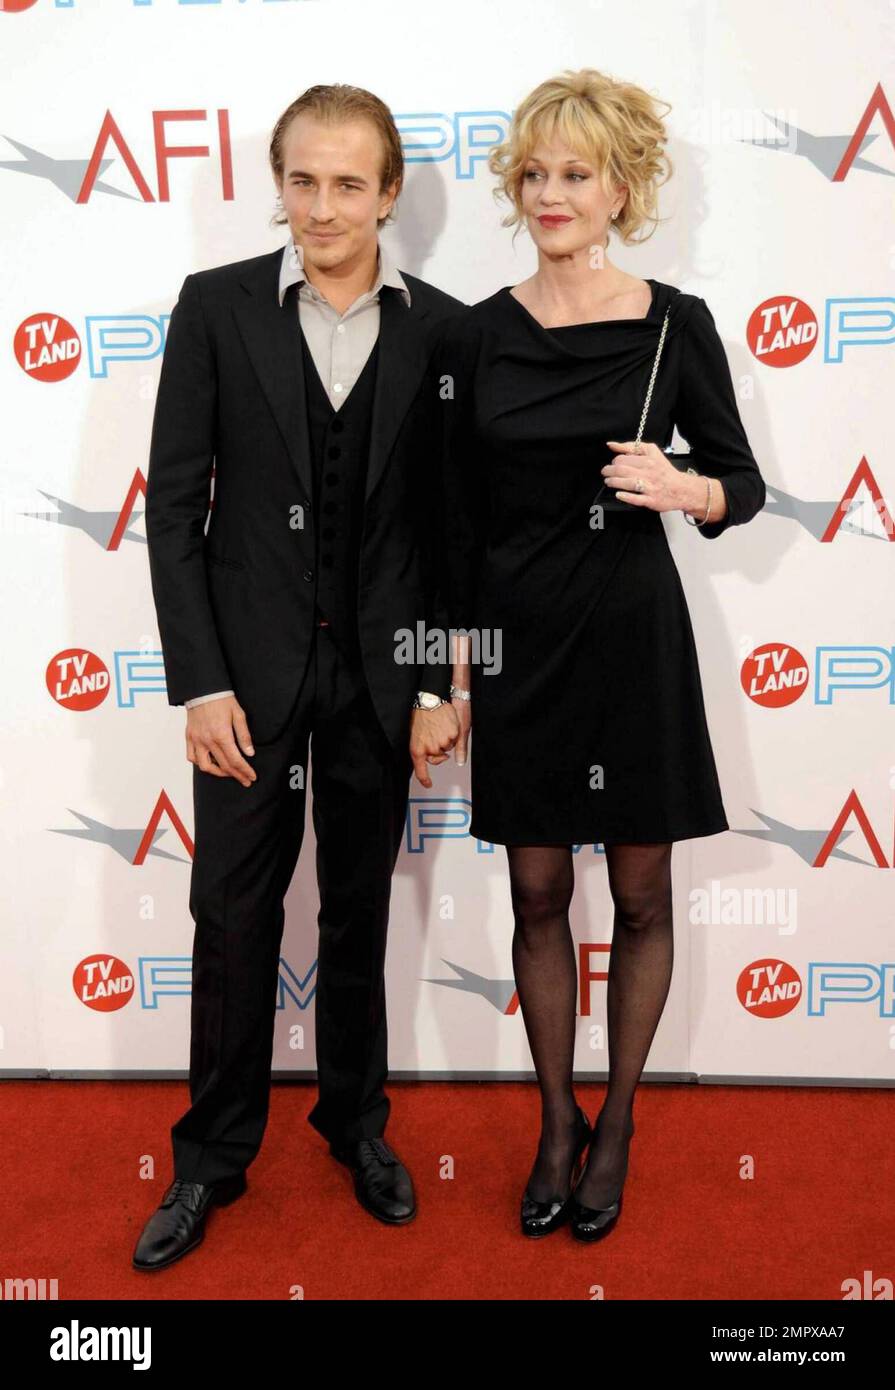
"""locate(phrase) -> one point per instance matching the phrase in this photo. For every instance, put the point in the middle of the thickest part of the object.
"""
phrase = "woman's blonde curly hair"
(615, 125)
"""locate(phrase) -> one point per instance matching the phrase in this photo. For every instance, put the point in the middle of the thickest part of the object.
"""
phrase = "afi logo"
(110, 134)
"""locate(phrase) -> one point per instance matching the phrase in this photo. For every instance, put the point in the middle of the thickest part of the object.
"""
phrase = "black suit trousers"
(247, 842)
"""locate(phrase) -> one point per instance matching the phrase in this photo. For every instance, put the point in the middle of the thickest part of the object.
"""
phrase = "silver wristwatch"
(424, 699)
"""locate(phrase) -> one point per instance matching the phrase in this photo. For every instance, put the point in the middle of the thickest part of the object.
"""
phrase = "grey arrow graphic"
(497, 992)
(97, 525)
(65, 174)
(823, 151)
(815, 516)
(123, 842)
(805, 843)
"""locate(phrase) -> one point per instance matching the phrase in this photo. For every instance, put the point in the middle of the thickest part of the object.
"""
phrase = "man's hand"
(213, 730)
(432, 733)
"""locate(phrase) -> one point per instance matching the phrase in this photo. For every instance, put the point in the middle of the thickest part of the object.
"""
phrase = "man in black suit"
(306, 376)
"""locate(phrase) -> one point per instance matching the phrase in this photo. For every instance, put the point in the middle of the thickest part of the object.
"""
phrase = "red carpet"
(818, 1210)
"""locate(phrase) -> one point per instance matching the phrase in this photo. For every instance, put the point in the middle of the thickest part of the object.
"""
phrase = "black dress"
(589, 726)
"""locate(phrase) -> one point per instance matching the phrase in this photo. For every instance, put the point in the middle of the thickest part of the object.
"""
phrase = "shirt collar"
(292, 271)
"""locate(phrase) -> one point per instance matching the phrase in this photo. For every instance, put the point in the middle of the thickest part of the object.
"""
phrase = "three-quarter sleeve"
(464, 512)
(708, 418)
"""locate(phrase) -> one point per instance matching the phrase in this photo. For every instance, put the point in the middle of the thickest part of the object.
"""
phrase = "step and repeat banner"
(133, 152)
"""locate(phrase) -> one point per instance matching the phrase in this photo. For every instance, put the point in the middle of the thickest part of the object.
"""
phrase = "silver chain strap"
(649, 391)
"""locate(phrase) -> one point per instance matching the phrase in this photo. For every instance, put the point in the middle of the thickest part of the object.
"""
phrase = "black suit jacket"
(235, 606)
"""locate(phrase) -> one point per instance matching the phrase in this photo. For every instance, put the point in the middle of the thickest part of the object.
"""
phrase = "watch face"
(429, 701)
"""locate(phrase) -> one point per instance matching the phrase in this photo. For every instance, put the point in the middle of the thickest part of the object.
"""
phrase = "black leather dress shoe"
(540, 1218)
(178, 1225)
(381, 1182)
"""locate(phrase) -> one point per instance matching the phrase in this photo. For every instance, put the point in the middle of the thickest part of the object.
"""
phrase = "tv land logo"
(776, 674)
(771, 988)
(48, 348)
(783, 330)
(768, 988)
(106, 983)
(79, 680)
(103, 983)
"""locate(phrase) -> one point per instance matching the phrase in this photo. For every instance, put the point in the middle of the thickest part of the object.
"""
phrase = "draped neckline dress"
(591, 726)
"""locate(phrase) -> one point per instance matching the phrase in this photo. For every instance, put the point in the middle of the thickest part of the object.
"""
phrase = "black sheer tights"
(640, 963)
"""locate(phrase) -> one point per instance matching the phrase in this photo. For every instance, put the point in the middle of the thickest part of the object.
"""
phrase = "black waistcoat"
(340, 444)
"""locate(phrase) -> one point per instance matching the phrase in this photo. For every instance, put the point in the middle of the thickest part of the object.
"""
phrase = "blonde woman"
(594, 730)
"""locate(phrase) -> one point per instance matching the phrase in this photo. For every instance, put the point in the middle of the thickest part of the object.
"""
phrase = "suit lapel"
(272, 338)
(402, 363)
(273, 341)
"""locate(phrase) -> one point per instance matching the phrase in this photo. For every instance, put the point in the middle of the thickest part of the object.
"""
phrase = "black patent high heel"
(540, 1218)
(593, 1223)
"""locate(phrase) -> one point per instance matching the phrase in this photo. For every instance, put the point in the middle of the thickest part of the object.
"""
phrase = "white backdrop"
(783, 140)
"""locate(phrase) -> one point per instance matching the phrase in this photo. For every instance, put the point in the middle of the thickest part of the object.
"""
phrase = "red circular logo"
(769, 988)
(774, 675)
(16, 6)
(47, 347)
(782, 331)
(78, 679)
(104, 983)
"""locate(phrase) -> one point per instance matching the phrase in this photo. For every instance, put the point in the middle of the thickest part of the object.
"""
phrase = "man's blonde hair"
(339, 103)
